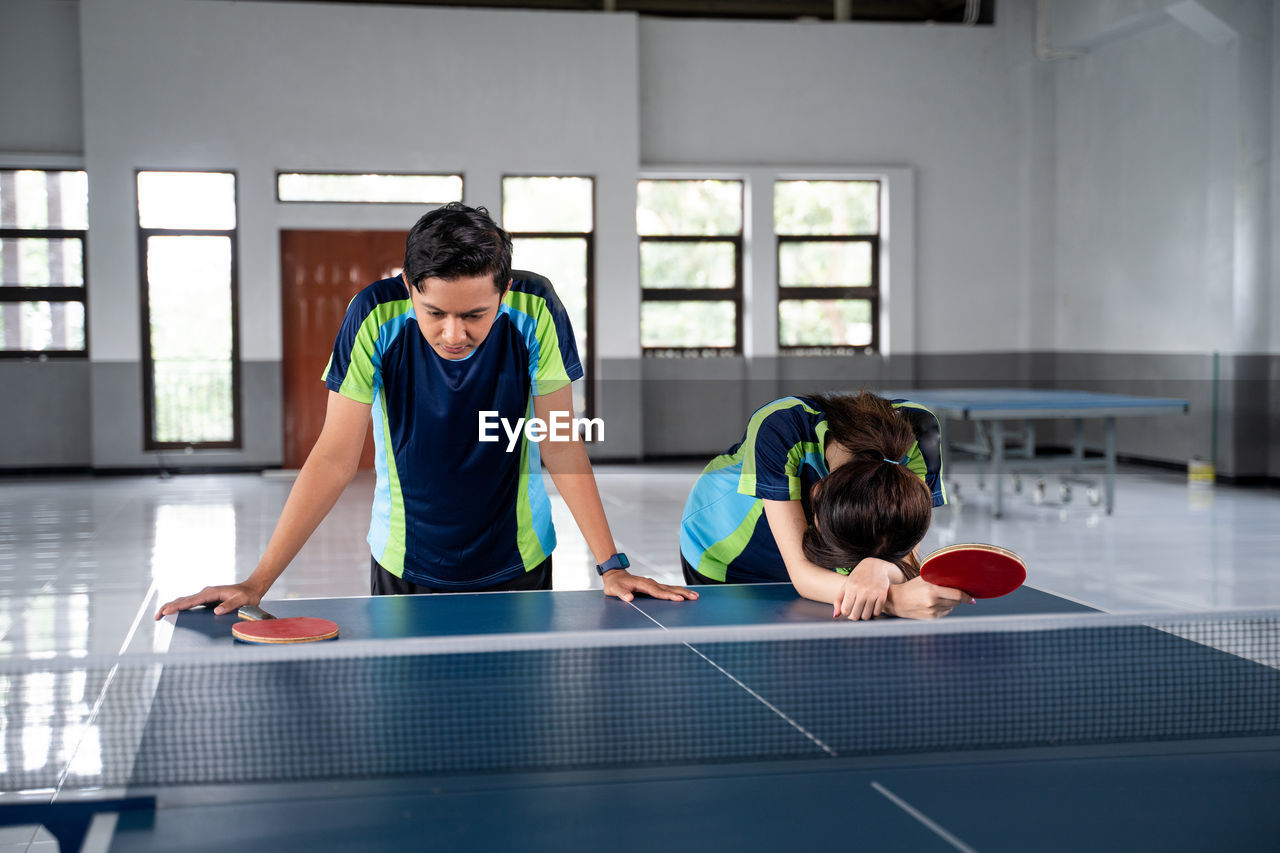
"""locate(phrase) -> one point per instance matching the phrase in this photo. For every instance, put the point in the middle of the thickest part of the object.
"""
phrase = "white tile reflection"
(50, 726)
(84, 745)
(194, 546)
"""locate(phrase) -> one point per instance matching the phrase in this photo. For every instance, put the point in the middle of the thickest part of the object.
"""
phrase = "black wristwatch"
(617, 561)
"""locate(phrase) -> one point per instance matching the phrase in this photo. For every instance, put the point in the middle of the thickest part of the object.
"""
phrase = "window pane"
(687, 324)
(564, 261)
(824, 322)
(826, 207)
(693, 208)
(189, 289)
(42, 326)
(687, 264)
(32, 198)
(548, 204)
(187, 200)
(387, 189)
(37, 262)
(834, 264)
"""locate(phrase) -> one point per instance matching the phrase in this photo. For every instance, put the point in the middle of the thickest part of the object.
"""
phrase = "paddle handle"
(253, 614)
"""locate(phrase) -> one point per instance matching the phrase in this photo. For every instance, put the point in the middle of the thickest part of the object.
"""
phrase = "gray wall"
(1164, 211)
(40, 64)
(1098, 219)
(47, 423)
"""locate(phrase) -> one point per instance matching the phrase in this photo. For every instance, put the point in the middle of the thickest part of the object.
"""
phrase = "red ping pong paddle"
(261, 627)
(983, 571)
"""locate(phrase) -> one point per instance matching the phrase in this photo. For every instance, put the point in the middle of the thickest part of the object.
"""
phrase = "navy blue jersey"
(449, 510)
(724, 534)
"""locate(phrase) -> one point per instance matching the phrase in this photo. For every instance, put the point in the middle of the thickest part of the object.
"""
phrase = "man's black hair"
(455, 241)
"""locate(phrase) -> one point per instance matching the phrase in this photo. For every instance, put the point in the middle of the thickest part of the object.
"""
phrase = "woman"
(830, 492)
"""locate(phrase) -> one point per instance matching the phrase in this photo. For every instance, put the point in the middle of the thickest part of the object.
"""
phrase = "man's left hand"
(624, 585)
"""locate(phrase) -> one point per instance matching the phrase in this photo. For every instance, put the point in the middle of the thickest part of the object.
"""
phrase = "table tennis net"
(355, 709)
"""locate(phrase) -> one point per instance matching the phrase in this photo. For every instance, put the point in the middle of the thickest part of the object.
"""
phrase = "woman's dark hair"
(867, 507)
(455, 241)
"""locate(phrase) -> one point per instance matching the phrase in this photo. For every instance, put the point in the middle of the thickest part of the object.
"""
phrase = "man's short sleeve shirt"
(451, 511)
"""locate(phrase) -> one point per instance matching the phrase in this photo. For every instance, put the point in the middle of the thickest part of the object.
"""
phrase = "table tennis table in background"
(746, 720)
(1004, 430)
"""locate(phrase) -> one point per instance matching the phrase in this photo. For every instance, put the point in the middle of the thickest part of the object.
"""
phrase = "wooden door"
(320, 272)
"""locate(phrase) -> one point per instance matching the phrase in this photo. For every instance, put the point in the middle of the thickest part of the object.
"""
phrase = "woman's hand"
(919, 599)
(866, 589)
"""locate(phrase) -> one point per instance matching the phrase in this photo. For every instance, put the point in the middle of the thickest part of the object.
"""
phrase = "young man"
(426, 356)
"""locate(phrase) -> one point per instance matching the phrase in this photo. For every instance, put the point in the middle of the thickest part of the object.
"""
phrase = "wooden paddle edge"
(284, 640)
(981, 546)
(244, 631)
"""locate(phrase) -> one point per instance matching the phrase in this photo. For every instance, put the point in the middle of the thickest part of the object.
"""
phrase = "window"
(44, 219)
(190, 351)
(368, 188)
(828, 265)
(552, 225)
(690, 266)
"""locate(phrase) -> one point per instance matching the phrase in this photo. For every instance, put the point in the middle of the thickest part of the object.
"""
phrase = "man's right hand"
(228, 599)
(919, 599)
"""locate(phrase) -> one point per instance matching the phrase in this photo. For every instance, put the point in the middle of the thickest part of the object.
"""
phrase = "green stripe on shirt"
(716, 559)
(392, 558)
(549, 374)
(747, 452)
(357, 384)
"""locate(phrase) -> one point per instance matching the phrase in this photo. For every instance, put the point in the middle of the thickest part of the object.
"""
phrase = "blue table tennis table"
(1004, 430)
(514, 721)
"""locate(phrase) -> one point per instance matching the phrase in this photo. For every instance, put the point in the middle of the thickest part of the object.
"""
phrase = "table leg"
(997, 465)
(1077, 447)
(1110, 451)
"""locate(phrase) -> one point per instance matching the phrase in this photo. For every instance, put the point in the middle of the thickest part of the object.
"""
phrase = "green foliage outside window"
(687, 324)
(189, 289)
(826, 207)
(34, 202)
(701, 265)
(684, 208)
(825, 322)
(825, 264)
(835, 210)
(692, 208)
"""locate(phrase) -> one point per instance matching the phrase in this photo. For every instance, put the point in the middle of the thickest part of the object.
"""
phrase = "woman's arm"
(861, 594)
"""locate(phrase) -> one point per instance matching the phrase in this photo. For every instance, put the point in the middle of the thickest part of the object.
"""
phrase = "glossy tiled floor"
(83, 562)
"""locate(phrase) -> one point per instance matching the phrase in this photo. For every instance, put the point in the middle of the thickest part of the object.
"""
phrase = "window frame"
(734, 294)
(18, 294)
(795, 293)
(872, 293)
(149, 442)
(587, 359)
